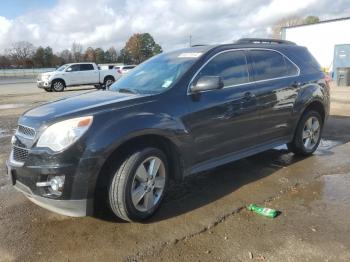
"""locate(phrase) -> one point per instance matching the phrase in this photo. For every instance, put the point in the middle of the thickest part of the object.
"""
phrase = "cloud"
(108, 23)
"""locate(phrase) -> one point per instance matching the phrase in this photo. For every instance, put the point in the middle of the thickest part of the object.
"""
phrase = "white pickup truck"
(75, 75)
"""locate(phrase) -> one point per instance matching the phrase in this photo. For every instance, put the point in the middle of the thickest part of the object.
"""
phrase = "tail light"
(119, 71)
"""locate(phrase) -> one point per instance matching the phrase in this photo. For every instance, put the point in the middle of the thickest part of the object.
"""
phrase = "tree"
(77, 50)
(66, 56)
(140, 47)
(90, 55)
(38, 58)
(21, 53)
(311, 20)
(111, 55)
(4, 61)
(48, 57)
(124, 57)
(100, 55)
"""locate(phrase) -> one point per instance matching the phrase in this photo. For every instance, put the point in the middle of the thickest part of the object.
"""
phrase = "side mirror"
(205, 83)
(69, 69)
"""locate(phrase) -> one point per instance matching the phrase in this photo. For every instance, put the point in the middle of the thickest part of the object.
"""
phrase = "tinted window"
(268, 64)
(230, 66)
(73, 68)
(292, 70)
(86, 67)
(128, 67)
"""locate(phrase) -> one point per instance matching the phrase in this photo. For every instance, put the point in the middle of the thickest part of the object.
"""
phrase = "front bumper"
(78, 193)
(72, 208)
(43, 84)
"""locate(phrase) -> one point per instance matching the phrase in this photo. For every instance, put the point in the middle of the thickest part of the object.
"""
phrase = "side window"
(292, 70)
(73, 68)
(86, 67)
(268, 64)
(230, 66)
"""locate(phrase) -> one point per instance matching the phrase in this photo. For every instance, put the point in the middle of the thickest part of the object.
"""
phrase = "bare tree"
(77, 50)
(21, 53)
(285, 22)
(66, 56)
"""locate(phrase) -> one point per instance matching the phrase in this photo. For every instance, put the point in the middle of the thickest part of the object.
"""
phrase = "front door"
(223, 121)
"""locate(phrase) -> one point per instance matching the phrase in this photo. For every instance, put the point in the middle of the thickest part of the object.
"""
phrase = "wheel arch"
(108, 76)
(58, 79)
(174, 159)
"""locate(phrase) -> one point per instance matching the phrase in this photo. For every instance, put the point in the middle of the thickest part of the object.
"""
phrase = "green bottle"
(264, 211)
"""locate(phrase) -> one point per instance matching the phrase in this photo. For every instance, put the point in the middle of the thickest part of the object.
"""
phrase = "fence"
(31, 73)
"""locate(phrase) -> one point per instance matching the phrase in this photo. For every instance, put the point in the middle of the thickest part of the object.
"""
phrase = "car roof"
(244, 43)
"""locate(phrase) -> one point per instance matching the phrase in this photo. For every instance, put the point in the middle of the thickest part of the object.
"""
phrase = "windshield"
(156, 74)
(61, 68)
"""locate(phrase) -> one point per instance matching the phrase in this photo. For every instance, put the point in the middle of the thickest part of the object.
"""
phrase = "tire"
(108, 81)
(135, 195)
(307, 136)
(58, 85)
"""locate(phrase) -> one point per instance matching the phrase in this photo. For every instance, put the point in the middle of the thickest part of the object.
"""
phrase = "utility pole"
(190, 40)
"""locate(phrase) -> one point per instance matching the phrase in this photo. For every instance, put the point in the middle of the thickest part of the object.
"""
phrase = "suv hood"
(78, 105)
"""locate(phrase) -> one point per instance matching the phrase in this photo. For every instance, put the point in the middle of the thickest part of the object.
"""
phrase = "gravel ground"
(203, 218)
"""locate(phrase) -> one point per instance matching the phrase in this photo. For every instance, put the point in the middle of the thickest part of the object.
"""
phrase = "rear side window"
(270, 64)
(86, 67)
(128, 67)
(230, 66)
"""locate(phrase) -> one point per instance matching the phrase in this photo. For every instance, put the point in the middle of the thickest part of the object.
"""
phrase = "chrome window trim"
(247, 83)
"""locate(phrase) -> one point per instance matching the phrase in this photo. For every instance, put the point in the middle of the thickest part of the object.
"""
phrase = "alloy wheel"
(148, 184)
(311, 133)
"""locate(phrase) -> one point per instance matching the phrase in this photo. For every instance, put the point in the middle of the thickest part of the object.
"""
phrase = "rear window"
(270, 64)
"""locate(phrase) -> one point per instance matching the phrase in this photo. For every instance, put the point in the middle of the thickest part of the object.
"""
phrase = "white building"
(321, 38)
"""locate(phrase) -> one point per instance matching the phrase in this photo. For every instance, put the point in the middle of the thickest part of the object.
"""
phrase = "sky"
(105, 23)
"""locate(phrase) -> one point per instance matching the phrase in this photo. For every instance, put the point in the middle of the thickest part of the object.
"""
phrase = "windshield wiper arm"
(125, 90)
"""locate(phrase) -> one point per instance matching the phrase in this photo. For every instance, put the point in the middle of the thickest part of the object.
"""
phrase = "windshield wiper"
(125, 90)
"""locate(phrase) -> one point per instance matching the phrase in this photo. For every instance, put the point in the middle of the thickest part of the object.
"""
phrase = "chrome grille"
(19, 154)
(26, 131)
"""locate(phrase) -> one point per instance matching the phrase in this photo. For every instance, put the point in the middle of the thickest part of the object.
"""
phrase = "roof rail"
(263, 41)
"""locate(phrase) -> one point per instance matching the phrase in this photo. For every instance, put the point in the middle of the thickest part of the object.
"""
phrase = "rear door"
(223, 121)
(276, 80)
(88, 74)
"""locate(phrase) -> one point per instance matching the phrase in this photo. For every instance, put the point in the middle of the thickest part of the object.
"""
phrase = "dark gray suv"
(176, 114)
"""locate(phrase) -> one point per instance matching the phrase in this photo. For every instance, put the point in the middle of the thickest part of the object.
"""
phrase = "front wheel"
(58, 85)
(308, 134)
(138, 185)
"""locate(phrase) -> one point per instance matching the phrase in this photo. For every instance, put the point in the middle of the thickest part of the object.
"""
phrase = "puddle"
(11, 106)
(325, 145)
(336, 189)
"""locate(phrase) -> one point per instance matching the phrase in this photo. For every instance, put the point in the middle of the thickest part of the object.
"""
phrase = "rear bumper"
(72, 208)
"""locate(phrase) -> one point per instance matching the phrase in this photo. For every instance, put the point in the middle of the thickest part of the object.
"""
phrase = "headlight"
(63, 134)
(46, 76)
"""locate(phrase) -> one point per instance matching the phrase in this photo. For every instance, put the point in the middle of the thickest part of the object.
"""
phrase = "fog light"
(54, 184)
(57, 183)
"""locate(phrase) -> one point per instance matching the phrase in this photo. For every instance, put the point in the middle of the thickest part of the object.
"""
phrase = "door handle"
(248, 96)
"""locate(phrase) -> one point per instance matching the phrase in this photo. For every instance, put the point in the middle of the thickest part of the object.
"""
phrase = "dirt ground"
(203, 218)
